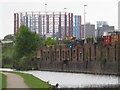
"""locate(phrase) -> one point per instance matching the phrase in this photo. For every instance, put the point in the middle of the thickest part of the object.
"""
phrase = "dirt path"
(15, 81)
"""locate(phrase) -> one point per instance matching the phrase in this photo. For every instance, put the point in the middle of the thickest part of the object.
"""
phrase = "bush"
(7, 55)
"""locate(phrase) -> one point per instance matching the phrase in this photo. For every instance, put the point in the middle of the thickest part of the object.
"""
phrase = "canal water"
(74, 80)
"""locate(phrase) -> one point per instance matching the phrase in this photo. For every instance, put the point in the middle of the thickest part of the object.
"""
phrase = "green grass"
(33, 82)
(3, 81)
(0, 81)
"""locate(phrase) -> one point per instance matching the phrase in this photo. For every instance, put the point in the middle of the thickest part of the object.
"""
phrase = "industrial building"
(50, 24)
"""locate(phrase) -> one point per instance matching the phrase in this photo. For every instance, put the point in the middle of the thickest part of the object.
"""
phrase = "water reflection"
(74, 79)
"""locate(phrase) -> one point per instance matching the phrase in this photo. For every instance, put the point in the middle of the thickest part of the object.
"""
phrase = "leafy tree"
(25, 46)
(50, 41)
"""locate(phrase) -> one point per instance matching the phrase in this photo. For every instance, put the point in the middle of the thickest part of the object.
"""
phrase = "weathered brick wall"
(88, 58)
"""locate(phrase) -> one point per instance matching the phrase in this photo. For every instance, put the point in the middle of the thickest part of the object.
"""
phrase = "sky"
(96, 10)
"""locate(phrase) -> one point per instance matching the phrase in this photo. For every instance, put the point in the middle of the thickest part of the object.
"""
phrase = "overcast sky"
(96, 10)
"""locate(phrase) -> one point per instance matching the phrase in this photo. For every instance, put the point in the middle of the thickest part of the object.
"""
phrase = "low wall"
(89, 58)
(84, 67)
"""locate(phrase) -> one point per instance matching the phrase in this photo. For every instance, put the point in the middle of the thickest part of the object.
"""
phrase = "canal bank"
(113, 74)
(93, 67)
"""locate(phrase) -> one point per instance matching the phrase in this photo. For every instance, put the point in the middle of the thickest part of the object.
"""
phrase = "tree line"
(21, 53)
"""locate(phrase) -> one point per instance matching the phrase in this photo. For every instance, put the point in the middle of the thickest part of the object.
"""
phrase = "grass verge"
(3, 81)
(33, 82)
(0, 81)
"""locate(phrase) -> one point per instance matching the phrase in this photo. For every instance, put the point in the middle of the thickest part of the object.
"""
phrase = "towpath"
(15, 81)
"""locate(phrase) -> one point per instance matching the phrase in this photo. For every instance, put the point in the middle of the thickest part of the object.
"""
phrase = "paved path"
(15, 81)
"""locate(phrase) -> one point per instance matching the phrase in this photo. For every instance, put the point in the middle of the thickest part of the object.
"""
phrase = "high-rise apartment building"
(58, 24)
(89, 30)
(104, 28)
(101, 23)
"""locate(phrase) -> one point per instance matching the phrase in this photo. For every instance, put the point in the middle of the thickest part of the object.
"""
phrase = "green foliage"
(23, 63)
(25, 46)
(26, 41)
(3, 81)
(42, 42)
(27, 63)
(7, 51)
(0, 81)
(9, 37)
(7, 55)
(34, 82)
(50, 41)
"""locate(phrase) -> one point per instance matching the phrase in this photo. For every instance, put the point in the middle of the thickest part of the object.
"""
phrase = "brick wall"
(92, 58)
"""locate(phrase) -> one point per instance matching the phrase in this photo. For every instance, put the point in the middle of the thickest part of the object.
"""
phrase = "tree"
(7, 51)
(25, 46)
(50, 41)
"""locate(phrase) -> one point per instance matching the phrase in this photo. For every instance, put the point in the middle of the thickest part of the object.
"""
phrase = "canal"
(73, 80)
